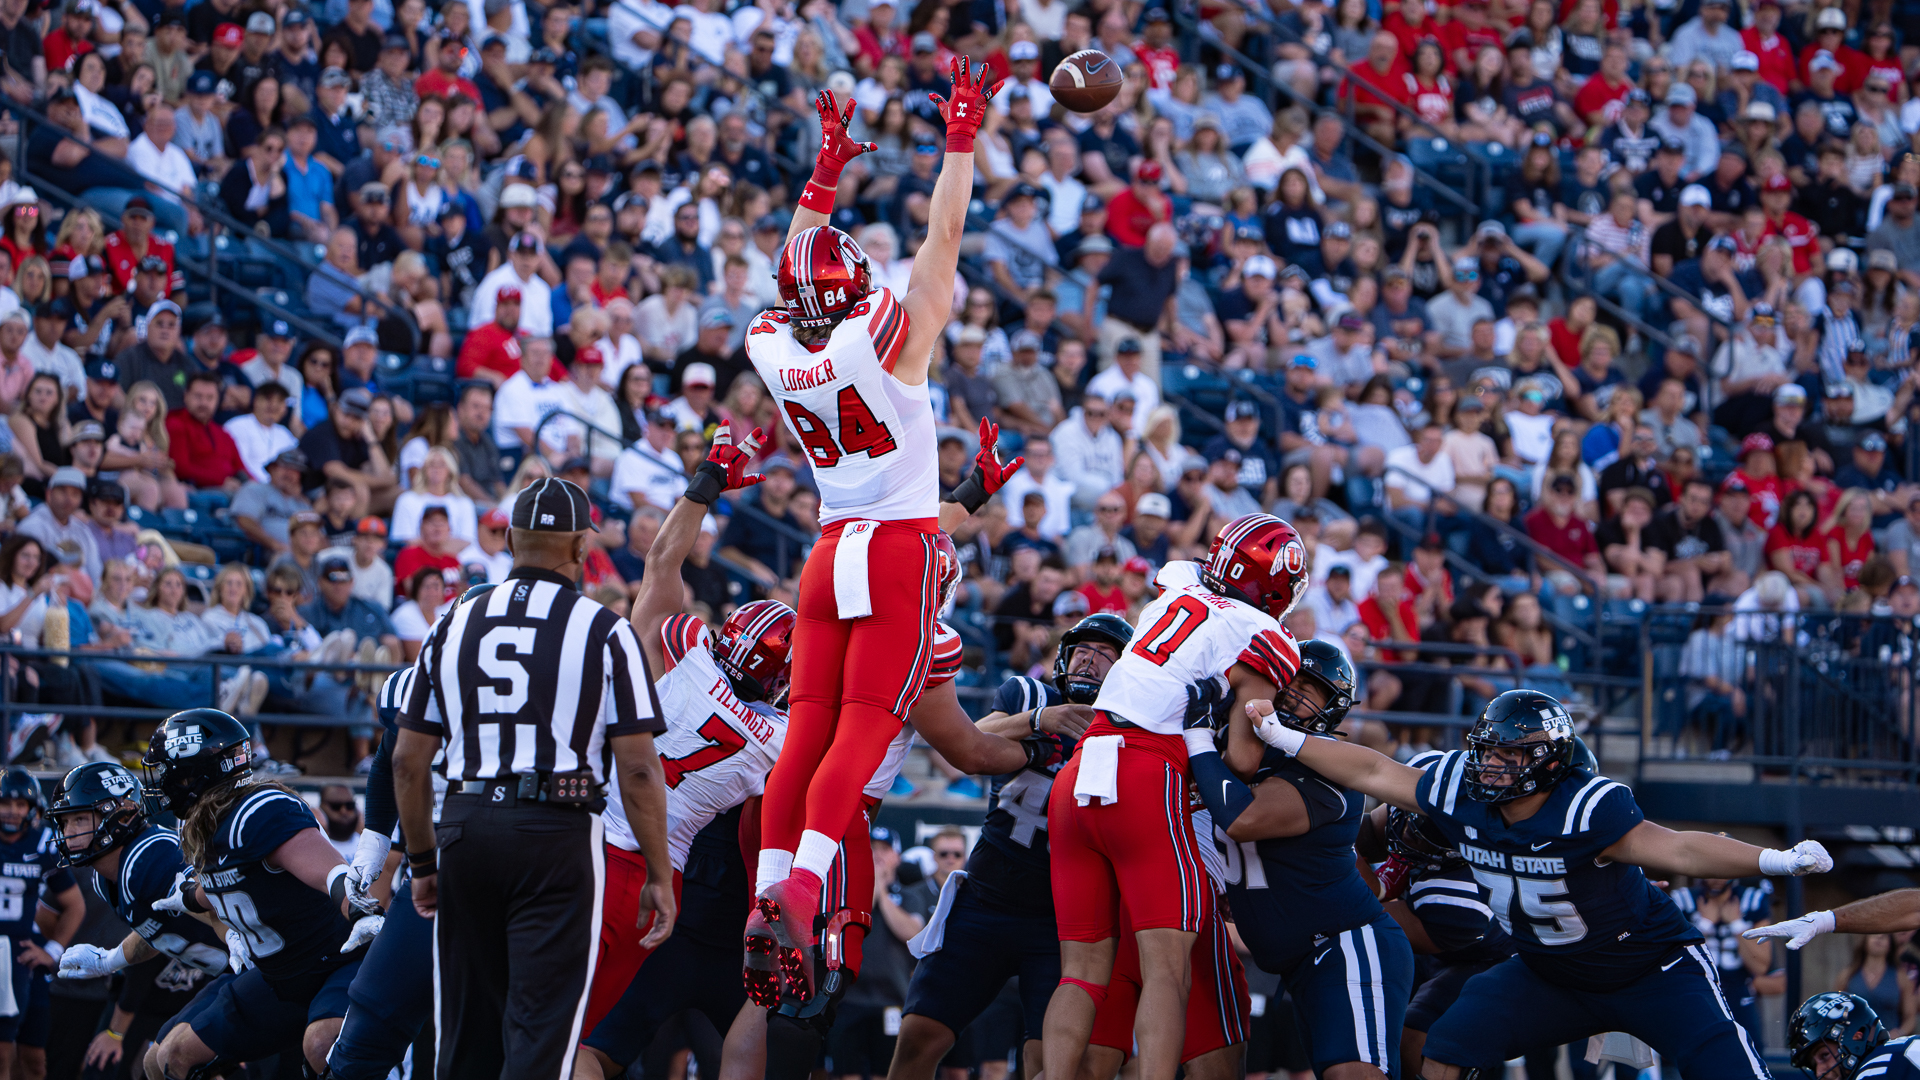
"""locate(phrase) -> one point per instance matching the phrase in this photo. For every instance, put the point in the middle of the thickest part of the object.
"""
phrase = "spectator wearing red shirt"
(878, 39)
(1409, 24)
(1776, 194)
(1103, 592)
(71, 39)
(134, 242)
(204, 455)
(1157, 51)
(1849, 540)
(436, 547)
(1796, 546)
(1763, 40)
(1602, 98)
(1830, 35)
(1139, 208)
(1758, 472)
(1470, 30)
(445, 79)
(1389, 613)
(1375, 85)
(1554, 526)
(492, 352)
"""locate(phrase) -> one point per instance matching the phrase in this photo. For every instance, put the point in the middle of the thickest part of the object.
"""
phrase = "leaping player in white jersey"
(848, 364)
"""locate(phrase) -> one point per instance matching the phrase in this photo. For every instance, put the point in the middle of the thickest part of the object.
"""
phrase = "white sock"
(816, 854)
(774, 866)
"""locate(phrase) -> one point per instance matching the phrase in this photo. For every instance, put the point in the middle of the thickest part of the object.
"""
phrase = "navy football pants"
(390, 998)
(1677, 1008)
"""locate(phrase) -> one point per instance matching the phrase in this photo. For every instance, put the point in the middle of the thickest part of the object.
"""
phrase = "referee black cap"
(553, 505)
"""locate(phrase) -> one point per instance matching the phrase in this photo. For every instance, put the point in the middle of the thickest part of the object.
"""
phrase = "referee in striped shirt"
(529, 684)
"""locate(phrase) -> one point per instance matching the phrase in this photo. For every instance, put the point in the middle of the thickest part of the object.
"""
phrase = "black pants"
(518, 922)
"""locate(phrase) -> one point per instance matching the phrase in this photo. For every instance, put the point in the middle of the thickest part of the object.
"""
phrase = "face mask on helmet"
(1415, 838)
(1831, 1035)
(755, 650)
(1087, 652)
(1502, 771)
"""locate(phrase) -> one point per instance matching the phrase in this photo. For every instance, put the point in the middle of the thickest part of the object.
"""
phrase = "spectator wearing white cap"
(1682, 123)
(60, 527)
(1687, 234)
(1023, 65)
(1091, 454)
(528, 269)
(1029, 397)
(1454, 312)
(1126, 376)
(694, 409)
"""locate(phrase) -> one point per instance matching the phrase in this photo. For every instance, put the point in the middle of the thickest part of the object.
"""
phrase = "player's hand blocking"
(835, 144)
(967, 107)
(726, 467)
(91, 962)
(1797, 931)
(988, 475)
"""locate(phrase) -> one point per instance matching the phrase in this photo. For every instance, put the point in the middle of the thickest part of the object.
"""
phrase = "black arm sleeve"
(383, 810)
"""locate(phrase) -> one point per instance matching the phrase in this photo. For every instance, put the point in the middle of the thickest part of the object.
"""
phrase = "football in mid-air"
(1086, 81)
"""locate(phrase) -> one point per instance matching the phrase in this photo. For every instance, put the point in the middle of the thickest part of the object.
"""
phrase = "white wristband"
(1199, 741)
(1280, 736)
(56, 950)
(1776, 863)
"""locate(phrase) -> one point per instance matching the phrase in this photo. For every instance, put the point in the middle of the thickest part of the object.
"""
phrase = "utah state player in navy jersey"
(261, 865)
(1298, 899)
(100, 820)
(30, 871)
(1838, 1036)
(1560, 851)
(1001, 924)
(1722, 910)
(392, 995)
(1429, 889)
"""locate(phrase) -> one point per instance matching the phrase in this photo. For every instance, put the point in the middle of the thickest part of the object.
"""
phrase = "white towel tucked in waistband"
(929, 940)
(9, 1005)
(1620, 1048)
(1099, 770)
(851, 590)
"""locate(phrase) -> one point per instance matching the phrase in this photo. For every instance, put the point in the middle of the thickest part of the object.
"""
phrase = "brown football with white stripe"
(1086, 81)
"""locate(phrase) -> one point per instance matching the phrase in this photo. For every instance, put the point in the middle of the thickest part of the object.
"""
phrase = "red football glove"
(1393, 875)
(965, 110)
(988, 473)
(726, 467)
(836, 149)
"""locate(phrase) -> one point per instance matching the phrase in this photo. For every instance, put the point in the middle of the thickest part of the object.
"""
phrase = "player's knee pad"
(1096, 992)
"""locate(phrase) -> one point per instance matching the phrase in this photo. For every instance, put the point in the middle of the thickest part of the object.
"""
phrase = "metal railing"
(293, 253)
(1275, 89)
(1580, 277)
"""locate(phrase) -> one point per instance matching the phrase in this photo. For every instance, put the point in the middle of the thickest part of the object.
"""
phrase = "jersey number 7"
(860, 430)
(722, 743)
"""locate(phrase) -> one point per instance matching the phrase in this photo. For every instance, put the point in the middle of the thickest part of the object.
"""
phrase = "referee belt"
(535, 788)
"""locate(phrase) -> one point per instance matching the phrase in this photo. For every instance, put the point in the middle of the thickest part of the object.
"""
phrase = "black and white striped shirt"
(529, 676)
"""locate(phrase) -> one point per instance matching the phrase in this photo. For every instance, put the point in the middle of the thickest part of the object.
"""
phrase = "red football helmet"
(756, 648)
(949, 572)
(1259, 559)
(823, 274)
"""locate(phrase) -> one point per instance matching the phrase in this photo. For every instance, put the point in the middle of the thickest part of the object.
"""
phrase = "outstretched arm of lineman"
(661, 594)
(1350, 766)
(643, 791)
(940, 720)
(929, 299)
(1887, 913)
(1708, 855)
(413, 789)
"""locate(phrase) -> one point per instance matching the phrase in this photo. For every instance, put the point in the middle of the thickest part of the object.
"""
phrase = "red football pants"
(1218, 1005)
(621, 953)
(1141, 846)
(849, 884)
(854, 681)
